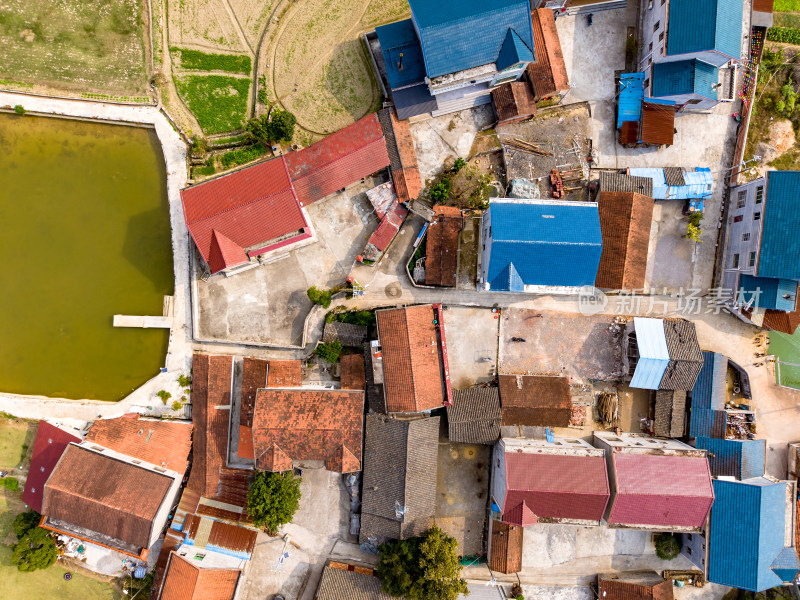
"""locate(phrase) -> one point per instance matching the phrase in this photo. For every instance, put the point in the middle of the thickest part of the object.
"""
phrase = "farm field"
(16, 438)
(88, 46)
(218, 102)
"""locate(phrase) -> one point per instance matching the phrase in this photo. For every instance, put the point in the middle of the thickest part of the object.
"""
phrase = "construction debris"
(608, 409)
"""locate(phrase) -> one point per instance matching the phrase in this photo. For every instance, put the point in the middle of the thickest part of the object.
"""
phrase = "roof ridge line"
(227, 210)
(330, 162)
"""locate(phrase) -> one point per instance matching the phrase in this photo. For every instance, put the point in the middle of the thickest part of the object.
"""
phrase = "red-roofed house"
(663, 485)
(47, 450)
(563, 481)
(161, 443)
(188, 579)
(308, 425)
(338, 160)
(237, 217)
(414, 358)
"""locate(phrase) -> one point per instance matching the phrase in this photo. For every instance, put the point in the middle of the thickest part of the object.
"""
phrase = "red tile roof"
(353, 376)
(162, 443)
(338, 160)
(506, 548)
(242, 210)
(412, 359)
(513, 102)
(103, 494)
(47, 449)
(661, 491)
(254, 376)
(211, 399)
(625, 221)
(186, 581)
(658, 123)
(554, 486)
(305, 424)
(407, 180)
(548, 73)
(442, 246)
(285, 373)
(407, 183)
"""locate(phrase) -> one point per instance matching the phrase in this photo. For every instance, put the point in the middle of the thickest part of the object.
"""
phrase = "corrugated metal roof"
(742, 459)
(47, 449)
(653, 353)
(657, 490)
(412, 101)
(629, 102)
(684, 77)
(699, 183)
(768, 292)
(462, 34)
(658, 122)
(746, 533)
(513, 51)
(710, 388)
(698, 25)
(548, 242)
(780, 244)
(396, 39)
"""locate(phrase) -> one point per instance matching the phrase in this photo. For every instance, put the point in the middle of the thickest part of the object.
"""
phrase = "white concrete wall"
(499, 473)
(651, 49)
(486, 251)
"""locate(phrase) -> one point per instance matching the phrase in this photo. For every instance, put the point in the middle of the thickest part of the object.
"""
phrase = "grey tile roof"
(348, 334)
(474, 417)
(670, 414)
(686, 360)
(376, 400)
(338, 584)
(674, 176)
(618, 182)
(399, 486)
(385, 118)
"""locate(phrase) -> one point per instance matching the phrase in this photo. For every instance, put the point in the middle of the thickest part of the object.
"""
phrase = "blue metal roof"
(462, 34)
(710, 388)
(396, 39)
(742, 459)
(700, 25)
(653, 360)
(705, 422)
(513, 51)
(543, 243)
(780, 244)
(699, 183)
(786, 565)
(746, 533)
(767, 292)
(685, 77)
(629, 103)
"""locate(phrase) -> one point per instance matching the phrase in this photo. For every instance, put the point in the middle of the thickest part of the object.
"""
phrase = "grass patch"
(240, 156)
(785, 35)
(386, 11)
(235, 139)
(218, 102)
(86, 45)
(204, 171)
(786, 5)
(15, 439)
(200, 61)
(787, 19)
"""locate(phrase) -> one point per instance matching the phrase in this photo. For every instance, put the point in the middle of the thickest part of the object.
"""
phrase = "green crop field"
(200, 61)
(91, 45)
(218, 102)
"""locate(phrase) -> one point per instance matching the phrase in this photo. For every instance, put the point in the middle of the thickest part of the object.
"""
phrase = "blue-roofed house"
(643, 121)
(662, 354)
(742, 459)
(703, 38)
(451, 53)
(761, 256)
(750, 538)
(539, 245)
(676, 183)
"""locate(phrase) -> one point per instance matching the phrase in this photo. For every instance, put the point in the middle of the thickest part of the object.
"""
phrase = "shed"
(742, 459)
(505, 551)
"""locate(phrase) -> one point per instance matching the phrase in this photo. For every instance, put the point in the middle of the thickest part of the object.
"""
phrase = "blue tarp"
(631, 92)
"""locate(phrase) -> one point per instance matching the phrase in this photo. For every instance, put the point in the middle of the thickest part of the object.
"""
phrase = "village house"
(474, 417)
(434, 62)
(522, 240)
(535, 400)
(719, 400)
(689, 50)
(643, 121)
(634, 585)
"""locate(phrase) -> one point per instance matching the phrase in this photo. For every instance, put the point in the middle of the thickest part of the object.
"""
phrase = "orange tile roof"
(353, 376)
(548, 73)
(412, 359)
(211, 400)
(163, 443)
(441, 251)
(284, 373)
(254, 376)
(513, 102)
(306, 424)
(185, 581)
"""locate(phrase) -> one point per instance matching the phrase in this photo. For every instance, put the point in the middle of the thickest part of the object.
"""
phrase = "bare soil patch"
(203, 24)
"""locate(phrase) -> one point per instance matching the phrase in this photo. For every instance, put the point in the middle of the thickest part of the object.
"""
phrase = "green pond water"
(84, 235)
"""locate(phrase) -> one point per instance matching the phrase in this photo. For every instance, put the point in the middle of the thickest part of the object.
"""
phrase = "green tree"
(258, 128)
(329, 351)
(321, 297)
(421, 568)
(667, 546)
(26, 521)
(35, 550)
(281, 126)
(273, 499)
(184, 380)
(440, 192)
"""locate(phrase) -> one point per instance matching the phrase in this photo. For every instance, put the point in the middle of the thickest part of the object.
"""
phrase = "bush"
(329, 351)
(459, 164)
(421, 568)
(164, 395)
(204, 171)
(176, 405)
(280, 128)
(10, 483)
(780, 106)
(240, 156)
(199, 145)
(273, 499)
(695, 218)
(35, 550)
(440, 192)
(19, 109)
(366, 318)
(200, 61)
(26, 521)
(668, 546)
(785, 35)
(321, 297)
(184, 380)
